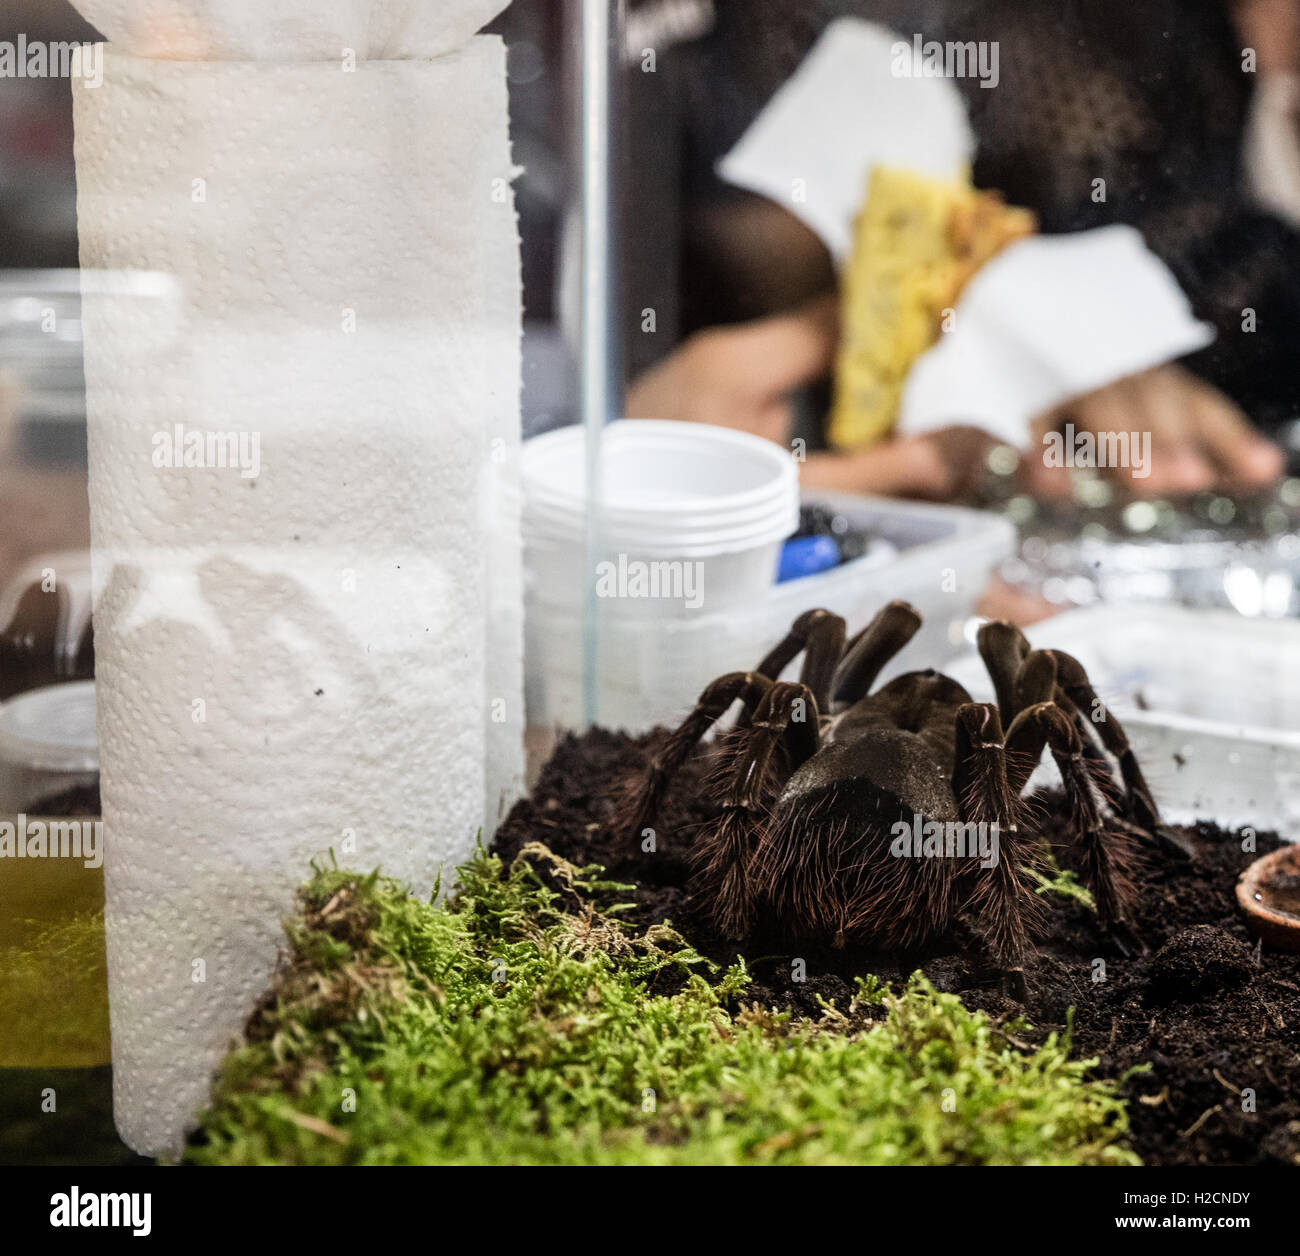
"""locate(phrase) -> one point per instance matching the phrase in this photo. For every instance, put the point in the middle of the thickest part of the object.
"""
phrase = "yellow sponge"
(917, 243)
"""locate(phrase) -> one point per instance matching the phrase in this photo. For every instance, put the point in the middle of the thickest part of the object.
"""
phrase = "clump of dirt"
(1211, 1017)
(1197, 963)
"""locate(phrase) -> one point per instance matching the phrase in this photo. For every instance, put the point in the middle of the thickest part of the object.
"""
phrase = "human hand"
(741, 376)
(936, 466)
(1272, 29)
(1182, 436)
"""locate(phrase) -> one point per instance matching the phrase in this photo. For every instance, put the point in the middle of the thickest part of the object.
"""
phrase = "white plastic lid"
(51, 728)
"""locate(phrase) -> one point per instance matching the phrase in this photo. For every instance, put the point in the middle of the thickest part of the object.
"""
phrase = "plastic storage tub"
(1209, 699)
(653, 669)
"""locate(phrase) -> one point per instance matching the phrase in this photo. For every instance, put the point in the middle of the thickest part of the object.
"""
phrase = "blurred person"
(1199, 154)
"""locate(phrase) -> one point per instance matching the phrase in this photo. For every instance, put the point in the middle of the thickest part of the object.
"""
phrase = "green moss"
(1063, 883)
(520, 1025)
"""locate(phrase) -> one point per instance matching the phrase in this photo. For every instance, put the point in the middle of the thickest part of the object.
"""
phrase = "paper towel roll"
(285, 30)
(326, 653)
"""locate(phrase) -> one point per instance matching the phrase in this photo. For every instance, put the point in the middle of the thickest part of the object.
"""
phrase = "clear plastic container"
(652, 670)
(1209, 699)
(47, 744)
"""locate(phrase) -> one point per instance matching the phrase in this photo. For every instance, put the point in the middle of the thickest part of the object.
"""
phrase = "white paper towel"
(326, 654)
(813, 146)
(1049, 319)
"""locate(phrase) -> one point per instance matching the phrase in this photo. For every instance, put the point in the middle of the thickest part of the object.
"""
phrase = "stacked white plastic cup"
(47, 743)
(718, 501)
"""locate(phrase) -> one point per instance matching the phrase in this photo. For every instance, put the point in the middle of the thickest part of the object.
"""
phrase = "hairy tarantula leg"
(640, 805)
(1074, 681)
(787, 717)
(1022, 678)
(788, 713)
(1004, 904)
(891, 629)
(1107, 850)
(820, 634)
(1031, 682)
(1036, 680)
(1003, 648)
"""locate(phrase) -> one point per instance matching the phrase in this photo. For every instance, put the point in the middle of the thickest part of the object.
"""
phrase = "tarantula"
(821, 778)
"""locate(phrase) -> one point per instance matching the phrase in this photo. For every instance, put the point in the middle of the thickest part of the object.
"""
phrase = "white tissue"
(844, 111)
(328, 654)
(1049, 319)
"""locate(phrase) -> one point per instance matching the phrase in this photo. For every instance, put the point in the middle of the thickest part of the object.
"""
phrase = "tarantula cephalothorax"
(821, 778)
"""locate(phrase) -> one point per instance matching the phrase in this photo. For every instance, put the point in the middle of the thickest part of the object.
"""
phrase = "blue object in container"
(807, 556)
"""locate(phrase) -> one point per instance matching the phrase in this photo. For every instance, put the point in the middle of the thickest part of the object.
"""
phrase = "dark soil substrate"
(1211, 1015)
